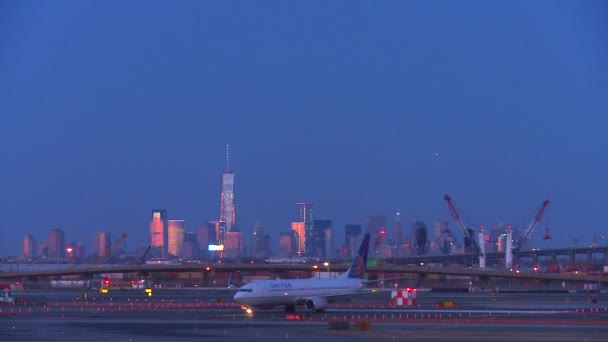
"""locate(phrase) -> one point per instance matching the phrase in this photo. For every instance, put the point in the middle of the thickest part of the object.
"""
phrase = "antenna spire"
(227, 157)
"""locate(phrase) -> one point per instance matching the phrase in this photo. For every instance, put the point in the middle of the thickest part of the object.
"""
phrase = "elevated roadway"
(374, 272)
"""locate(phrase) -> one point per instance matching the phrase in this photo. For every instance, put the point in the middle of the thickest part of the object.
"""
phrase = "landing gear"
(290, 308)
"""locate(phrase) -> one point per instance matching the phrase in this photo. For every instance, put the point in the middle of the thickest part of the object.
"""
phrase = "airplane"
(314, 293)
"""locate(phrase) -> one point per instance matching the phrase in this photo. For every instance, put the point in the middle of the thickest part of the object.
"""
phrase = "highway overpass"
(374, 272)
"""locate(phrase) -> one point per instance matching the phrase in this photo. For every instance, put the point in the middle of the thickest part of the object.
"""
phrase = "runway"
(196, 315)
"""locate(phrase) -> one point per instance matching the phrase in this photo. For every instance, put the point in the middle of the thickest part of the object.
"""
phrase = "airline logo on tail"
(357, 269)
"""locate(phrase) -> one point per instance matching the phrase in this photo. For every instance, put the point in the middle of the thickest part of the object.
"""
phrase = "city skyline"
(167, 234)
(111, 110)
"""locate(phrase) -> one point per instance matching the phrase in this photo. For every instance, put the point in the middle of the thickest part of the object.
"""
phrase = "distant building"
(190, 249)
(56, 244)
(205, 236)
(352, 239)
(28, 248)
(234, 245)
(101, 244)
(260, 248)
(329, 241)
(497, 238)
(305, 213)
(79, 251)
(436, 244)
(227, 202)
(74, 251)
(375, 225)
(299, 235)
(420, 238)
(158, 233)
(398, 234)
(319, 245)
(43, 249)
(287, 245)
(175, 234)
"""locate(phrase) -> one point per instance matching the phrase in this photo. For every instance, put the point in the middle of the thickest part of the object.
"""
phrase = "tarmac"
(202, 316)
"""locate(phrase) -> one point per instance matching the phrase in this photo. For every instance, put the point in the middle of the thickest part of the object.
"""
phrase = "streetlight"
(69, 250)
(326, 264)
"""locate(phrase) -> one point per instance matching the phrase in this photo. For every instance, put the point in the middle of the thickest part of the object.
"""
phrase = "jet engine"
(315, 304)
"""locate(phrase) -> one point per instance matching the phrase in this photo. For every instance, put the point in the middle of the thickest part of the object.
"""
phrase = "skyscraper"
(319, 243)
(74, 250)
(260, 248)
(299, 237)
(204, 237)
(101, 244)
(376, 226)
(305, 213)
(233, 250)
(190, 249)
(158, 233)
(28, 248)
(398, 230)
(56, 244)
(227, 202)
(352, 238)
(419, 238)
(175, 232)
(287, 245)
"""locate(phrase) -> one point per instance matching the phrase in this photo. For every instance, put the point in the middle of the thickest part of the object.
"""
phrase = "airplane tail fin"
(357, 268)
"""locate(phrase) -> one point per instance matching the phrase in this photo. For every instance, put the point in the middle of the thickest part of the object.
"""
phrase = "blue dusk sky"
(112, 108)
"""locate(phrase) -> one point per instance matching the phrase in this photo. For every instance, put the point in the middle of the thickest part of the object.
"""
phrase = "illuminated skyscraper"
(28, 248)
(299, 237)
(306, 214)
(101, 244)
(175, 232)
(56, 244)
(227, 202)
(158, 233)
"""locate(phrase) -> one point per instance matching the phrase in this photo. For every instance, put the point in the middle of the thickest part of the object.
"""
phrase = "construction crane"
(470, 243)
(527, 233)
(142, 260)
(524, 237)
(115, 245)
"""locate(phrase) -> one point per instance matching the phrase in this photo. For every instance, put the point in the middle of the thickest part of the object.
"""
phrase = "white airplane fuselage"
(296, 291)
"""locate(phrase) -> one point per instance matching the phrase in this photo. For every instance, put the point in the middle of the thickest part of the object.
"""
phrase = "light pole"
(326, 264)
